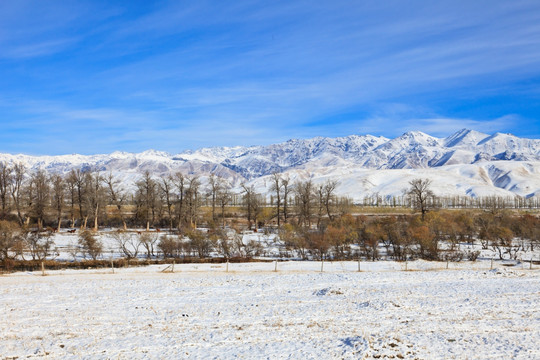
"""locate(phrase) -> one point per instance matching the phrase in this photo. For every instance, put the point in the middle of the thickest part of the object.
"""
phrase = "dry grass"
(9, 265)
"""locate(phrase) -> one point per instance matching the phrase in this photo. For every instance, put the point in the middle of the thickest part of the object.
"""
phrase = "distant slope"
(493, 178)
(465, 163)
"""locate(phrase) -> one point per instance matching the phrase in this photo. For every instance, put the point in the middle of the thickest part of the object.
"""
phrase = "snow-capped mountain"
(465, 163)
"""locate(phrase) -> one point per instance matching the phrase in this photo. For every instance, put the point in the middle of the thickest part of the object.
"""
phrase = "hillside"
(465, 163)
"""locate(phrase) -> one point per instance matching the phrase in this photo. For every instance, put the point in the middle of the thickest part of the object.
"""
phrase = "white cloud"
(37, 49)
(245, 73)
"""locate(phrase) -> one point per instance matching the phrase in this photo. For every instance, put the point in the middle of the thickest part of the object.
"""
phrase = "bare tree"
(215, 187)
(251, 204)
(276, 186)
(147, 197)
(16, 189)
(320, 205)
(148, 241)
(304, 196)
(286, 193)
(420, 194)
(223, 198)
(5, 181)
(58, 192)
(328, 199)
(77, 178)
(503, 242)
(166, 195)
(192, 200)
(117, 196)
(180, 183)
(71, 190)
(127, 243)
(39, 195)
(95, 195)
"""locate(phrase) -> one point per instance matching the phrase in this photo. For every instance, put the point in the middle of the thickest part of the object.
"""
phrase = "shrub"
(170, 246)
(453, 256)
(10, 238)
(90, 245)
(472, 255)
(199, 243)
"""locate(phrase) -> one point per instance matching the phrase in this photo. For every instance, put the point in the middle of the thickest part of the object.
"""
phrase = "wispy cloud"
(37, 49)
(182, 75)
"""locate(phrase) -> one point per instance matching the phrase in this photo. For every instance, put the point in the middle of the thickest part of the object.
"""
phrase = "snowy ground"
(202, 311)
(66, 248)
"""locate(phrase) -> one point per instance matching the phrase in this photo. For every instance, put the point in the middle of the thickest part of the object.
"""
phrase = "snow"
(465, 163)
(480, 179)
(465, 139)
(65, 248)
(202, 311)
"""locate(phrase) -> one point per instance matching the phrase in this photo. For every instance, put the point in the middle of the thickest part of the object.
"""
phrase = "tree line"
(312, 221)
(85, 198)
(88, 199)
(438, 235)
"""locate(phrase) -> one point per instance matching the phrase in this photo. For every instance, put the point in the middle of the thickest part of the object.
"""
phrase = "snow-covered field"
(251, 312)
(65, 247)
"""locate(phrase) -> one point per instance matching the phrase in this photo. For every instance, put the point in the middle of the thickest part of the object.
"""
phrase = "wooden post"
(322, 264)
(42, 269)
(530, 264)
(112, 265)
(227, 266)
(405, 265)
(275, 266)
(491, 266)
(359, 265)
(447, 264)
(172, 270)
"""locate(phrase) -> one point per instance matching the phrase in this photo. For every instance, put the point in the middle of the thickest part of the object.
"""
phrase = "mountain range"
(466, 163)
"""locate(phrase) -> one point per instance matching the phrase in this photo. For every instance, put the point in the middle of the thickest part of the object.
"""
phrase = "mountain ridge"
(413, 152)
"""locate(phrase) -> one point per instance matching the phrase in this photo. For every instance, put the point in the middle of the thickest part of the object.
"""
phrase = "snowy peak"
(154, 154)
(413, 138)
(465, 138)
(507, 146)
(263, 160)
(319, 157)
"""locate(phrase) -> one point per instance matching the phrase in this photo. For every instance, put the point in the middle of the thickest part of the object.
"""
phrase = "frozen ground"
(202, 311)
(66, 248)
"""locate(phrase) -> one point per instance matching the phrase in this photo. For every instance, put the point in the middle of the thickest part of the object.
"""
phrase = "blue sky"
(99, 76)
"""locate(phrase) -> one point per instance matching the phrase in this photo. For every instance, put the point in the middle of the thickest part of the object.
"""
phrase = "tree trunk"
(96, 218)
(223, 217)
(19, 217)
(213, 206)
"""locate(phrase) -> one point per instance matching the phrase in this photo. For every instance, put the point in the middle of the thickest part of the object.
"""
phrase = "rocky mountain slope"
(465, 163)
